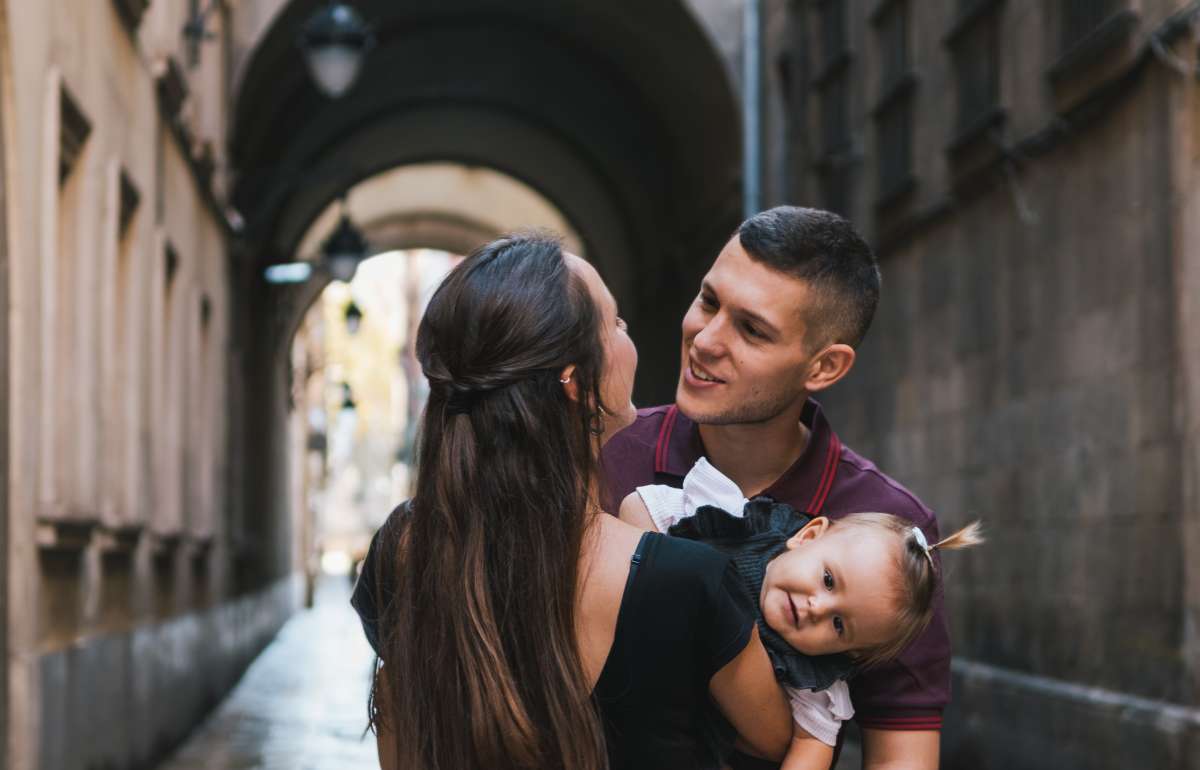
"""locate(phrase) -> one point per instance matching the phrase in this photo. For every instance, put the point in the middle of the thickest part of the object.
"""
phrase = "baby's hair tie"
(919, 536)
(926, 548)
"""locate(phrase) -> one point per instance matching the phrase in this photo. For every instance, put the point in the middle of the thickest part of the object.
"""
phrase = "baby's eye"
(838, 625)
(829, 581)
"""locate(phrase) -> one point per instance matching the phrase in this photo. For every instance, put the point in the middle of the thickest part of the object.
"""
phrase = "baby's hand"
(634, 511)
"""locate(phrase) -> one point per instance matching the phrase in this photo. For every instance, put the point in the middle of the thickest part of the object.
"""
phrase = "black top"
(683, 616)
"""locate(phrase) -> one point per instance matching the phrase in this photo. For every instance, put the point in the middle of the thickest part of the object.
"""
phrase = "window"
(894, 124)
(893, 112)
(832, 84)
(70, 323)
(835, 115)
(977, 60)
(833, 31)
(125, 391)
(974, 42)
(892, 24)
(1079, 18)
(131, 12)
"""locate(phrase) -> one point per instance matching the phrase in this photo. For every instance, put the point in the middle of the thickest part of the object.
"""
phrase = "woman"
(503, 603)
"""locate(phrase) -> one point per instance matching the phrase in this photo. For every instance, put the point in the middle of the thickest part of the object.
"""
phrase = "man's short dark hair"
(822, 249)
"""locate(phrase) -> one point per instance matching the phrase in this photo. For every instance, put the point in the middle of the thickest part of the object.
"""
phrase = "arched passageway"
(622, 117)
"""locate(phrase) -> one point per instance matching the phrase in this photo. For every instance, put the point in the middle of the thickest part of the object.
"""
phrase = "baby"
(823, 614)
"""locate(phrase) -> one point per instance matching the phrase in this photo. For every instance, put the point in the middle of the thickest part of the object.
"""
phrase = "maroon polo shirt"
(829, 479)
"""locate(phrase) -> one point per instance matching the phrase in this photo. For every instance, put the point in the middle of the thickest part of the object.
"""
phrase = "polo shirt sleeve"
(627, 460)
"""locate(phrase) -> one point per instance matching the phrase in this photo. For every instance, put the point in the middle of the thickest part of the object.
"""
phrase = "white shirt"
(821, 713)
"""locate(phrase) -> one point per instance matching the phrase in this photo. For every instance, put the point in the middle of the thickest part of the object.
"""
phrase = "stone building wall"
(1033, 364)
(123, 626)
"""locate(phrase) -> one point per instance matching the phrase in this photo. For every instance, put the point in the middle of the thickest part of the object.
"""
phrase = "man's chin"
(702, 413)
(699, 413)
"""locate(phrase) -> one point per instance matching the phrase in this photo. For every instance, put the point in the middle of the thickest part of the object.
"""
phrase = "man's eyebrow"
(750, 315)
(744, 313)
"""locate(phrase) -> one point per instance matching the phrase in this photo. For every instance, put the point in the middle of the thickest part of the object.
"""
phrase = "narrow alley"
(302, 703)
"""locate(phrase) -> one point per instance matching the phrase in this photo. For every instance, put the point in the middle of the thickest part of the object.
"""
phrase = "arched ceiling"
(439, 205)
(620, 114)
(634, 91)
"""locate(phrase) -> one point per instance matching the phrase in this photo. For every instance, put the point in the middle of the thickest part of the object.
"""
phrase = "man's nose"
(708, 340)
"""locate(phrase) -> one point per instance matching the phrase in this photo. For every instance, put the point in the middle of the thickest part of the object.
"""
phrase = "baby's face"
(832, 590)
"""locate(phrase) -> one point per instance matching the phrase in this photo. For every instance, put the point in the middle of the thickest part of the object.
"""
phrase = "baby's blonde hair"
(917, 572)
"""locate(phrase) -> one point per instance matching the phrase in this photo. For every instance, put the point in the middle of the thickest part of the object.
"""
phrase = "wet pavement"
(302, 704)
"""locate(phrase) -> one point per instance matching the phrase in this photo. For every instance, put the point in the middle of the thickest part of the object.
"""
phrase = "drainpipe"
(751, 107)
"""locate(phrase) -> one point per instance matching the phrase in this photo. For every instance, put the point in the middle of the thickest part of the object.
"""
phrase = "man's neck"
(755, 455)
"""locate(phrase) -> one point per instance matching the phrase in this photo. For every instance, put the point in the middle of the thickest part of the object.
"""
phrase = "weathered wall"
(1033, 364)
(119, 560)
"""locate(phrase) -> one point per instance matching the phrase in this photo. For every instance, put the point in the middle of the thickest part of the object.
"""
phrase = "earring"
(565, 380)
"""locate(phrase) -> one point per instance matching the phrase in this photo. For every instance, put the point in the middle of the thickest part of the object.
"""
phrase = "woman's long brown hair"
(481, 664)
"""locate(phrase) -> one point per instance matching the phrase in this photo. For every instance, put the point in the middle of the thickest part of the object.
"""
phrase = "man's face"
(744, 355)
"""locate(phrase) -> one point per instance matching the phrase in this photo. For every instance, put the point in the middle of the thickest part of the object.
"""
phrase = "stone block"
(1007, 719)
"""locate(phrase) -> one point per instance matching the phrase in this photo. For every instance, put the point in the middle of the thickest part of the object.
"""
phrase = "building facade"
(125, 616)
(1030, 175)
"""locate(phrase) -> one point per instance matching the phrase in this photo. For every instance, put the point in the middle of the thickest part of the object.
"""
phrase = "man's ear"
(829, 366)
(567, 378)
(810, 531)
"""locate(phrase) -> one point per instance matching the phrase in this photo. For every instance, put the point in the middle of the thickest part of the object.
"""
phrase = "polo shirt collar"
(806, 483)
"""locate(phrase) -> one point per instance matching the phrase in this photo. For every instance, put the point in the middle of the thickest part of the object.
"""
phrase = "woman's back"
(657, 618)
(683, 618)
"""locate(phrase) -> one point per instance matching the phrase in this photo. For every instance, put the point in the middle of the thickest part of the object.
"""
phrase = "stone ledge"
(1007, 718)
(119, 539)
(64, 534)
(163, 676)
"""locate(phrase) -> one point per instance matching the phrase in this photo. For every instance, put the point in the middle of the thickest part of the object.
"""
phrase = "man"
(778, 318)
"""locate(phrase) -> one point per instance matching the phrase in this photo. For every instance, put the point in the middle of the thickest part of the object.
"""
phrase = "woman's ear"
(567, 378)
(810, 531)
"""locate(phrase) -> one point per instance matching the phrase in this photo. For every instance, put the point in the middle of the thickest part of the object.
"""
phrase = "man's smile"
(701, 375)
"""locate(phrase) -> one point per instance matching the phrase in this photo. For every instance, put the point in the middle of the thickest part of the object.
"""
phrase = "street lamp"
(344, 249)
(335, 42)
(353, 317)
(348, 404)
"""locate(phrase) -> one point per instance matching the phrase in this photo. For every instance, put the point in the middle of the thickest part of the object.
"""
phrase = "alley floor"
(301, 705)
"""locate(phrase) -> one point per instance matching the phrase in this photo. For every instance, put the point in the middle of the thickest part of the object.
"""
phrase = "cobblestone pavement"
(301, 705)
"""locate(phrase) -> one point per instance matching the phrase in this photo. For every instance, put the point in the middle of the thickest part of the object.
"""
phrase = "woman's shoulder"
(387, 537)
(682, 563)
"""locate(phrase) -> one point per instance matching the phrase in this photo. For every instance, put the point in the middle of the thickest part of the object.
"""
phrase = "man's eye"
(753, 332)
(838, 625)
(829, 582)
(707, 301)
(621, 323)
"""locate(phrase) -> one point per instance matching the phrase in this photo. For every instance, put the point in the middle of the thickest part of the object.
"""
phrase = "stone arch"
(622, 115)
(428, 205)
